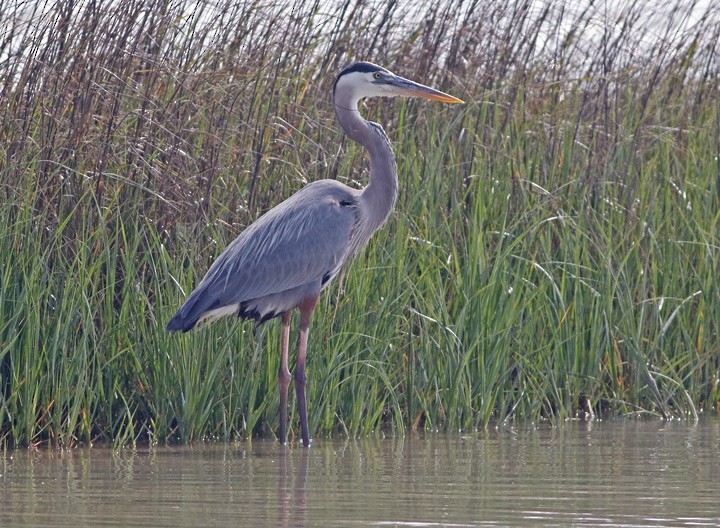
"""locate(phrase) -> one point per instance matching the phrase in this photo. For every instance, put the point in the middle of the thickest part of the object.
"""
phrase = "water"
(611, 473)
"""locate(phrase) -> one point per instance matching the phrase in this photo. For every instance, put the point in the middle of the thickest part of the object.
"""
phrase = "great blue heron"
(290, 254)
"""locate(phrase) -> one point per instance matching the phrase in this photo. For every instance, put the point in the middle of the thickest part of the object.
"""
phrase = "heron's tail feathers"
(196, 308)
(180, 323)
(192, 313)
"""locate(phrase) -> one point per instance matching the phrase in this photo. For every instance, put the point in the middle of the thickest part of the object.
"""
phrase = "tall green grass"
(554, 253)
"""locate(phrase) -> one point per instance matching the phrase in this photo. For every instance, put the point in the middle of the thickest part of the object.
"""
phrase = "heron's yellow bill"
(440, 96)
(412, 89)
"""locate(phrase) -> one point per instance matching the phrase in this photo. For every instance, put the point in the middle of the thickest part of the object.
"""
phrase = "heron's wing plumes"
(290, 251)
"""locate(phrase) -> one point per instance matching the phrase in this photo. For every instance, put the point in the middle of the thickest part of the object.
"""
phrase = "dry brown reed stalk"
(185, 97)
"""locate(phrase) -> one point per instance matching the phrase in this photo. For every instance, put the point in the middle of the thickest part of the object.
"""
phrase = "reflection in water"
(292, 504)
(617, 473)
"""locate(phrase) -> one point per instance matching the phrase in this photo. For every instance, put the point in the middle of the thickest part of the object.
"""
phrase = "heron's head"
(364, 79)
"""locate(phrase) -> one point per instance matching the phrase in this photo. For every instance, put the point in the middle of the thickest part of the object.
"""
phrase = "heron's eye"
(377, 75)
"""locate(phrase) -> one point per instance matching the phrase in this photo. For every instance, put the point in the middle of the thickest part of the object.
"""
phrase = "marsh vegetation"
(554, 252)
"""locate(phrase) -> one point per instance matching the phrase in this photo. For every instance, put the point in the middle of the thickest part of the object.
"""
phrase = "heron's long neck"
(381, 191)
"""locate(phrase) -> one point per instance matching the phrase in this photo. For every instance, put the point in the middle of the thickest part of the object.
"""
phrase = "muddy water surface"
(607, 473)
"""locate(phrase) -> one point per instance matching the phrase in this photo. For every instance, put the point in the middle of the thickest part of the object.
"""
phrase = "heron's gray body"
(262, 273)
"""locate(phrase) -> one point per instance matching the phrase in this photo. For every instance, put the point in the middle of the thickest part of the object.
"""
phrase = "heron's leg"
(284, 375)
(307, 306)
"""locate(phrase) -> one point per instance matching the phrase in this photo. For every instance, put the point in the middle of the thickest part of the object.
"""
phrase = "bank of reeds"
(554, 253)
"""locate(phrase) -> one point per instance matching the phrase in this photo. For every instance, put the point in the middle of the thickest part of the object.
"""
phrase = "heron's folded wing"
(301, 240)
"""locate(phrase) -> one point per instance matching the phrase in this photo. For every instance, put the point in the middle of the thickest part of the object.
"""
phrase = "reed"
(554, 253)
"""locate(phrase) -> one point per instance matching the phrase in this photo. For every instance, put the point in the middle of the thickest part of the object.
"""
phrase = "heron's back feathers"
(289, 253)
